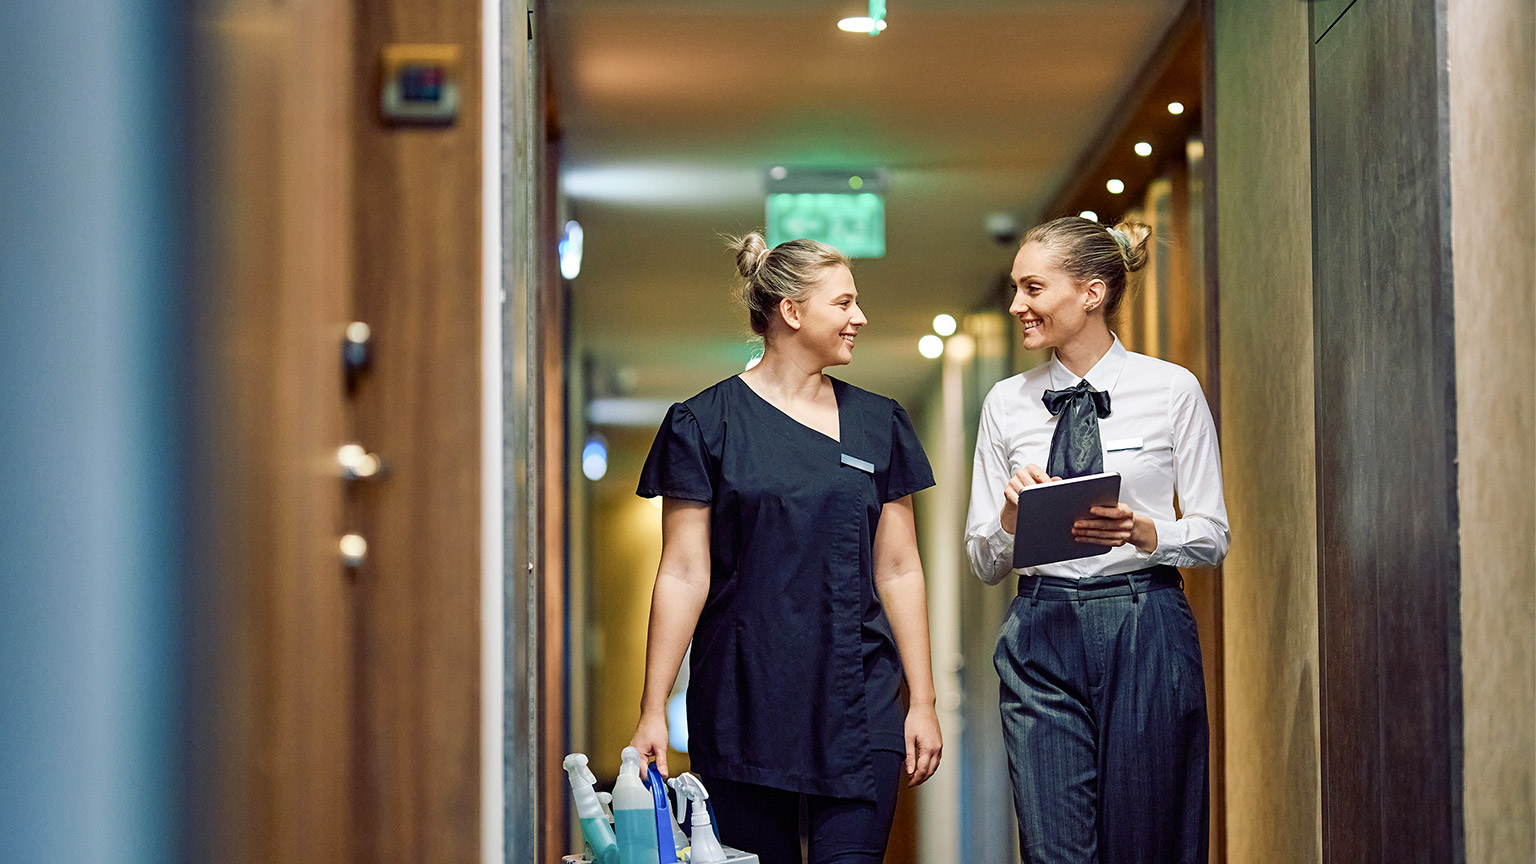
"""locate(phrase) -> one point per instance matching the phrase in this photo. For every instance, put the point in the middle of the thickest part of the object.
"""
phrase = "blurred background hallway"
(333, 335)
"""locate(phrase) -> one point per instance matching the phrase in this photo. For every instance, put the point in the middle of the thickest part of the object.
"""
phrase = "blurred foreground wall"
(90, 326)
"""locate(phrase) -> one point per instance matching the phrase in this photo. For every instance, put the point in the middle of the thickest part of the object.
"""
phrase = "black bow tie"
(1075, 446)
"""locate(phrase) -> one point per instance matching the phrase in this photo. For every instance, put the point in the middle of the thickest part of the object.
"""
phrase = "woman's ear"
(790, 313)
(1093, 294)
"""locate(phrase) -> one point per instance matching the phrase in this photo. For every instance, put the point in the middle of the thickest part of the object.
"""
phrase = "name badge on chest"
(856, 462)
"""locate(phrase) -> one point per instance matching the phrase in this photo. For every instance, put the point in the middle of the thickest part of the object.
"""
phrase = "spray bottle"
(594, 825)
(706, 846)
(634, 813)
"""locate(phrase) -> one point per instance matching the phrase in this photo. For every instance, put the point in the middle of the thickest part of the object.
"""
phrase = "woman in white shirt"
(1102, 694)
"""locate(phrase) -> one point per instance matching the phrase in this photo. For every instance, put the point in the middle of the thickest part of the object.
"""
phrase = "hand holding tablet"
(1046, 512)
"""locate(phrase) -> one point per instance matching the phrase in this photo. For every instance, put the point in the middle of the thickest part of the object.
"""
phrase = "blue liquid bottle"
(634, 813)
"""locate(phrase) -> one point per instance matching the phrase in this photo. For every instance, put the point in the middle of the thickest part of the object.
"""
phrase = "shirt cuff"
(1170, 542)
(1000, 553)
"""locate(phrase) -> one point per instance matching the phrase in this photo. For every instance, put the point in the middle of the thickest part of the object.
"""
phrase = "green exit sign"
(852, 222)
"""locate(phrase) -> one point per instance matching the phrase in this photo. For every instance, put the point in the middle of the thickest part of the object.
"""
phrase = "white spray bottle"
(634, 813)
(706, 847)
(594, 824)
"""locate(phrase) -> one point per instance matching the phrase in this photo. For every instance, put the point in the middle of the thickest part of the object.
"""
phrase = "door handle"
(356, 463)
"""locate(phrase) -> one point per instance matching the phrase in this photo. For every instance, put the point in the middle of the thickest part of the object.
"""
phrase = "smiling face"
(1052, 306)
(830, 317)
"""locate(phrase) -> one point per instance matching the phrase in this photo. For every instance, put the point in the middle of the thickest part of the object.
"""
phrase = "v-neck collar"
(837, 397)
(1102, 376)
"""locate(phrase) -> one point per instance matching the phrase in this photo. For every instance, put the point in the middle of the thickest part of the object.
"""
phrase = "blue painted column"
(91, 367)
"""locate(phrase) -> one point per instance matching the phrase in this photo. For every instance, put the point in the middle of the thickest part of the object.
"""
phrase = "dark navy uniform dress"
(794, 674)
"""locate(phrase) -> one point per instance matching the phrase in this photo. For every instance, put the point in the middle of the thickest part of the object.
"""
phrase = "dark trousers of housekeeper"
(1103, 705)
(766, 821)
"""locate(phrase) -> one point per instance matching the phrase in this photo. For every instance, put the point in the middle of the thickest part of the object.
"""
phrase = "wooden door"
(346, 720)
(274, 279)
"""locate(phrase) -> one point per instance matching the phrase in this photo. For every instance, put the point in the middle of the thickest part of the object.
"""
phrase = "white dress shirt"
(1159, 437)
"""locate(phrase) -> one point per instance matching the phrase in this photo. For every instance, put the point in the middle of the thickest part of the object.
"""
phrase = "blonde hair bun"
(751, 251)
(1134, 249)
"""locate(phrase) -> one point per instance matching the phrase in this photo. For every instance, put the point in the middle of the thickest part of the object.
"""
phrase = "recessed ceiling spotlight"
(1089, 215)
(930, 346)
(1175, 107)
(1115, 186)
(1143, 148)
(944, 324)
(778, 172)
(860, 25)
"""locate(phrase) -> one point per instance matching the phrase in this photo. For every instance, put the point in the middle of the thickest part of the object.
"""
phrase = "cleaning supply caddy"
(644, 830)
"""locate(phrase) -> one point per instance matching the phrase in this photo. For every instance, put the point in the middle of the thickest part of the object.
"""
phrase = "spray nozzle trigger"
(576, 766)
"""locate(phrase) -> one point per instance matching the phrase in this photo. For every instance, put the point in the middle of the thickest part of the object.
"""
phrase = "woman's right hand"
(651, 740)
(1030, 475)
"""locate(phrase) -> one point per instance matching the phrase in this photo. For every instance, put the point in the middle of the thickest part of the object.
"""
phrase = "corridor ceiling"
(671, 113)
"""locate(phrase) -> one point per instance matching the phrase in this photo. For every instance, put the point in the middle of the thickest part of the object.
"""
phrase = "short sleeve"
(678, 464)
(909, 470)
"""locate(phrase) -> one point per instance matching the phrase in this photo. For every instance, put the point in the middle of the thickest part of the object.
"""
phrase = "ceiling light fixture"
(1115, 186)
(1175, 107)
(1089, 215)
(1143, 148)
(861, 24)
(944, 324)
(930, 346)
(594, 458)
(570, 250)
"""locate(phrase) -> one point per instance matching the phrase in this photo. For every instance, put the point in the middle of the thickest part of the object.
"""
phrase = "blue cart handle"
(665, 847)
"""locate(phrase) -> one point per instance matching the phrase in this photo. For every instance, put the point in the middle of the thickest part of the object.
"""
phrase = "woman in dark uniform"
(789, 557)
(1102, 694)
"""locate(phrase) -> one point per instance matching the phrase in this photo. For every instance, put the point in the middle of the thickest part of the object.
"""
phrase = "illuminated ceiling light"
(930, 346)
(944, 324)
(756, 359)
(570, 250)
(1115, 186)
(861, 24)
(1175, 107)
(778, 172)
(1143, 148)
(1089, 215)
(594, 458)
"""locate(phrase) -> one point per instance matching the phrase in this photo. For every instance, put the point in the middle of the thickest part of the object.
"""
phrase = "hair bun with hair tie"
(1122, 240)
(759, 257)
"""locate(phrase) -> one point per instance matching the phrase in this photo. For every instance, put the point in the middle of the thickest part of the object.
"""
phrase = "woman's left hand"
(1116, 526)
(925, 743)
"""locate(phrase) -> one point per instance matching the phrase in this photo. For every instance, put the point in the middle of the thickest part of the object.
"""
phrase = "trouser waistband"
(1136, 582)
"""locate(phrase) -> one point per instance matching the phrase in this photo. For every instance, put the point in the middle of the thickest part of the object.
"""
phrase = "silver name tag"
(855, 462)
(1123, 444)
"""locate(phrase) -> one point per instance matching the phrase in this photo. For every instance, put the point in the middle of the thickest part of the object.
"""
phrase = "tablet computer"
(1043, 534)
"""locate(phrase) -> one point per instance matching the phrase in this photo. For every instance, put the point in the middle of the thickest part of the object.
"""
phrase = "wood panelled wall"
(1386, 436)
(1492, 63)
(1259, 146)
